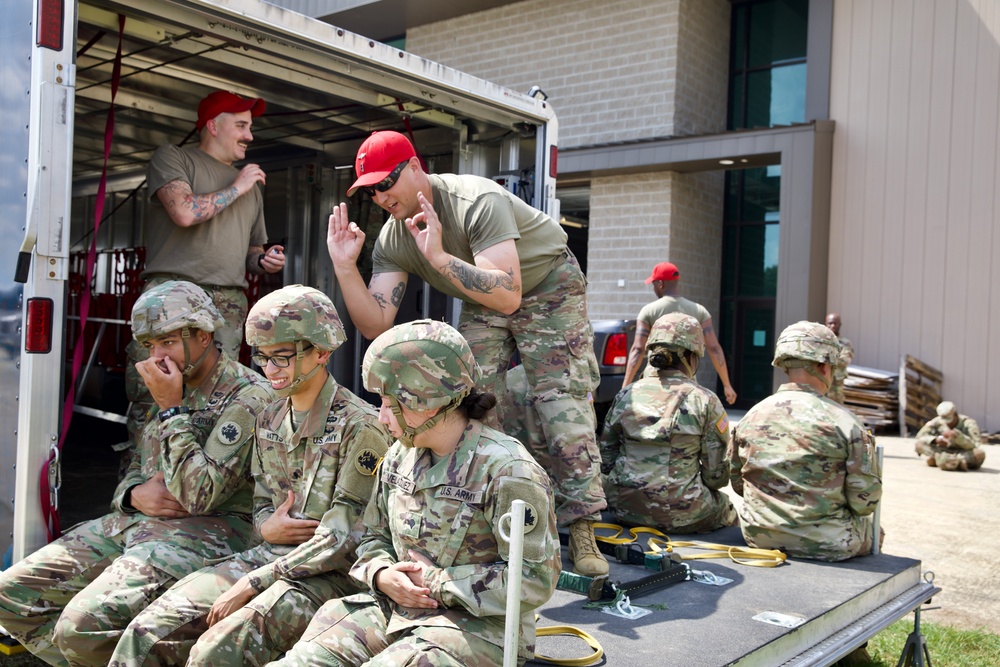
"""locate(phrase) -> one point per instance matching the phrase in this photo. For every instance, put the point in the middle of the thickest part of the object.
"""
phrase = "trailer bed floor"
(840, 605)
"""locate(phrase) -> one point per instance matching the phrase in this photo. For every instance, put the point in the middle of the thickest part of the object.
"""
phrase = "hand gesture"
(396, 582)
(163, 379)
(280, 528)
(425, 228)
(249, 176)
(344, 239)
(232, 600)
(273, 260)
(153, 499)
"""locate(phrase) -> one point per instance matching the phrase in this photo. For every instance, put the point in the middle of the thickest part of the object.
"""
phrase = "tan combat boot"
(587, 560)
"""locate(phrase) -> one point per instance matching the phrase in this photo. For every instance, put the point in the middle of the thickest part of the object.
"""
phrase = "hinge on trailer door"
(55, 478)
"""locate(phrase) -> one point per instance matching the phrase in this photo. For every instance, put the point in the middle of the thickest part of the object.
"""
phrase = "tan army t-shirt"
(214, 252)
(475, 214)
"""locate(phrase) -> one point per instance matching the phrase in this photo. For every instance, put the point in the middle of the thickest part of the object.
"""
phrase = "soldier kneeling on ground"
(951, 441)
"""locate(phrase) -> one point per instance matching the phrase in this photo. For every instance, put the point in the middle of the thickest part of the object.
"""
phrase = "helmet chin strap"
(409, 432)
(189, 366)
(296, 384)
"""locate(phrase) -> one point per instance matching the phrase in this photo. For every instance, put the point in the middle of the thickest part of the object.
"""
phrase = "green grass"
(948, 647)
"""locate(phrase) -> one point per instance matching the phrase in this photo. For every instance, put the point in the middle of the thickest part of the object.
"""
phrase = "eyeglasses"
(279, 360)
(388, 181)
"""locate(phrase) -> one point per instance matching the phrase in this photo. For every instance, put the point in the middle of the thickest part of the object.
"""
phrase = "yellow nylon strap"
(553, 630)
(661, 542)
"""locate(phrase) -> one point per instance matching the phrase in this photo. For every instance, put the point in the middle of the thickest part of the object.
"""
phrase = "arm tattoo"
(397, 294)
(380, 300)
(204, 207)
(475, 279)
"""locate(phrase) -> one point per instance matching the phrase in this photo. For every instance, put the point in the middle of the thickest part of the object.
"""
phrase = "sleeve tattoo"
(475, 279)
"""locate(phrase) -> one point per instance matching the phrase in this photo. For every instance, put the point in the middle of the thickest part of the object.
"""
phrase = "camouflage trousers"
(69, 602)
(164, 632)
(553, 336)
(352, 631)
(693, 513)
(231, 302)
(828, 542)
(270, 624)
(952, 459)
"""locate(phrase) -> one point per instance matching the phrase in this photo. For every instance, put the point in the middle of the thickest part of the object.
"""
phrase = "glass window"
(777, 32)
(768, 63)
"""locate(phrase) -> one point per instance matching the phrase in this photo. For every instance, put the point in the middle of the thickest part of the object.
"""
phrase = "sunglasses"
(386, 182)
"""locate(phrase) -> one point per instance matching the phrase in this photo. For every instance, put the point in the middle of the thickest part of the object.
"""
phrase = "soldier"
(951, 441)
(433, 557)
(805, 466)
(665, 279)
(315, 455)
(663, 449)
(520, 286)
(206, 225)
(185, 500)
(836, 392)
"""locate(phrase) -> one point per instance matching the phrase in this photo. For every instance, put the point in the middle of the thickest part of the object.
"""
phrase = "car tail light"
(38, 335)
(616, 350)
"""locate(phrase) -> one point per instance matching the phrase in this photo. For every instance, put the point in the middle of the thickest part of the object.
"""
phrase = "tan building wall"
(916, 190)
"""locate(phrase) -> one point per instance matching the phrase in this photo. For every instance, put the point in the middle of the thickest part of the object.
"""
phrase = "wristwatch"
(164, 415)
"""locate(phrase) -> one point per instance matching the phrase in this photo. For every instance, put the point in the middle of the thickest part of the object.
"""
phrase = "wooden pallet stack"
(873, 395)
(919, 394)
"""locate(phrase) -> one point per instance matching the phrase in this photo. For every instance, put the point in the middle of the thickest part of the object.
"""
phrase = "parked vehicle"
(326, 89)
(612, 342)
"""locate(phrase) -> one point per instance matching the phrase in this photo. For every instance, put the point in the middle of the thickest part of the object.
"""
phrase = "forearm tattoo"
(202, 207)
(475, 279)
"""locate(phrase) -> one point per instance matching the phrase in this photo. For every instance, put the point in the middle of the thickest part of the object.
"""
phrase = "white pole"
(515, 537)
(879, 449)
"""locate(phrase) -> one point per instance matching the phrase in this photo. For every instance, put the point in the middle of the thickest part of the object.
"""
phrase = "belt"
(204, 286)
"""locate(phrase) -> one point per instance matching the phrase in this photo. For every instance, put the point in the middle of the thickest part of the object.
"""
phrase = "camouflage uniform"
(836, 392)
(963, 453)
(449, 510)
(69, 601)
(329, 463)
(805, 466)
(663, 448)
(231, 302)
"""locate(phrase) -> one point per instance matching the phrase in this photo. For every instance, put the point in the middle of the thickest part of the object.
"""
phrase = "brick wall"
(607, 67)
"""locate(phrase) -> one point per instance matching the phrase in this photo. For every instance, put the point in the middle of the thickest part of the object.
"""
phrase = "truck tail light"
(38, 335)
(553, 161)
(50, 24)
(616, 350)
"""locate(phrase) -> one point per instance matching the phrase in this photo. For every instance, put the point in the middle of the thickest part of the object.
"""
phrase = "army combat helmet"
(804, 345)
(295, 314)
(422, 365)
(672, 335)
(171, 306)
